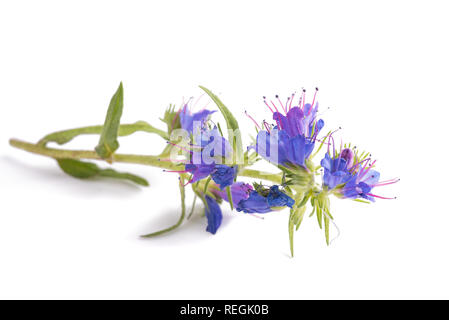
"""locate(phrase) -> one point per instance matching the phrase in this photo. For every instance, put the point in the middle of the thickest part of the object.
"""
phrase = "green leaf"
(171, 119)
(229, 194)
(291, 231)
(326, 228)
(231, 123)
(65, 136)
(78, 169)
(85, 170)
(108, 140)
(111, 173)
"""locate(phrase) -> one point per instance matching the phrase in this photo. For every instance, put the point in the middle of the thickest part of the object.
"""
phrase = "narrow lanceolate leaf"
(326, 228)
(85, 170)
(291, 232)
(229, 194)
(108, 140)
(231, 122)
(65, 136)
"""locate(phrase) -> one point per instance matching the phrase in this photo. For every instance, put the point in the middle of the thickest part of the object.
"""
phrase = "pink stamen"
(265, 101)
(323, 141)
(175, 171)
(266, 126)
(278, 120)
(386, 183)
(291, 101)
(356, 165)
(390, 180)
(257, 125)
(182, 148)
(303, 97)
(285, 110)
(197, 100)
(364, 173)
(314, 96)
(274, 106)
(173, 160)
(380, 197)
(176, 117)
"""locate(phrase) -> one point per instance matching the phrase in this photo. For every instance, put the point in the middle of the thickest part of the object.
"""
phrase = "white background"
(382, 68)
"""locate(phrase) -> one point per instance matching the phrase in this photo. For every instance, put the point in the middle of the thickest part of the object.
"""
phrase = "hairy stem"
(125, 158)
(84, 154)
(251, 173)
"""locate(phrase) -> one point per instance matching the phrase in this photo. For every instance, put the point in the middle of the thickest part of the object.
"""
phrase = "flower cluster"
(215, 166)
(288, 143)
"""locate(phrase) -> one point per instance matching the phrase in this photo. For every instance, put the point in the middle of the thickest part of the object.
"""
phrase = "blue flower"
(199, 171)
(189, 120)
(293, 136)
(336, 171)
(213, 215)
(361, 184)
(258, 203)
(276, 198)
(290, 150)
(299, 121)
(213, 144)
(352, 177)
(224, 175)
(255, 203)
(239, 191)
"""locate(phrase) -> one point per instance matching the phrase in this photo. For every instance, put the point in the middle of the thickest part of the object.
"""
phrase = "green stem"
(84, 154)
(251, 173)
(126, 158)
(181, 218)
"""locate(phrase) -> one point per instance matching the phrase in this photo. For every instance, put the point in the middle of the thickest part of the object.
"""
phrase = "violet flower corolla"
(205, 160)
(351, 176)
(191, 121)
(294, 134)
(265, 200)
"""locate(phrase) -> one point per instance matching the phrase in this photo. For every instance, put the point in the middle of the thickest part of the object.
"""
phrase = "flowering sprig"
(213, 165)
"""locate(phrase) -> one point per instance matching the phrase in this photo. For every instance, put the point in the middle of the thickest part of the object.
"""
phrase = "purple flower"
(265, 200)
(224, 175)
(255, 203)
(299, 121)
(239, 191)
(276, 198)
(280, 148)
(202, 162)
(336, 170)
(189, 120)
(350, 176)
(199, 171)
(360, 185)
(212, 144)
(213, 215)
(291, 141)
